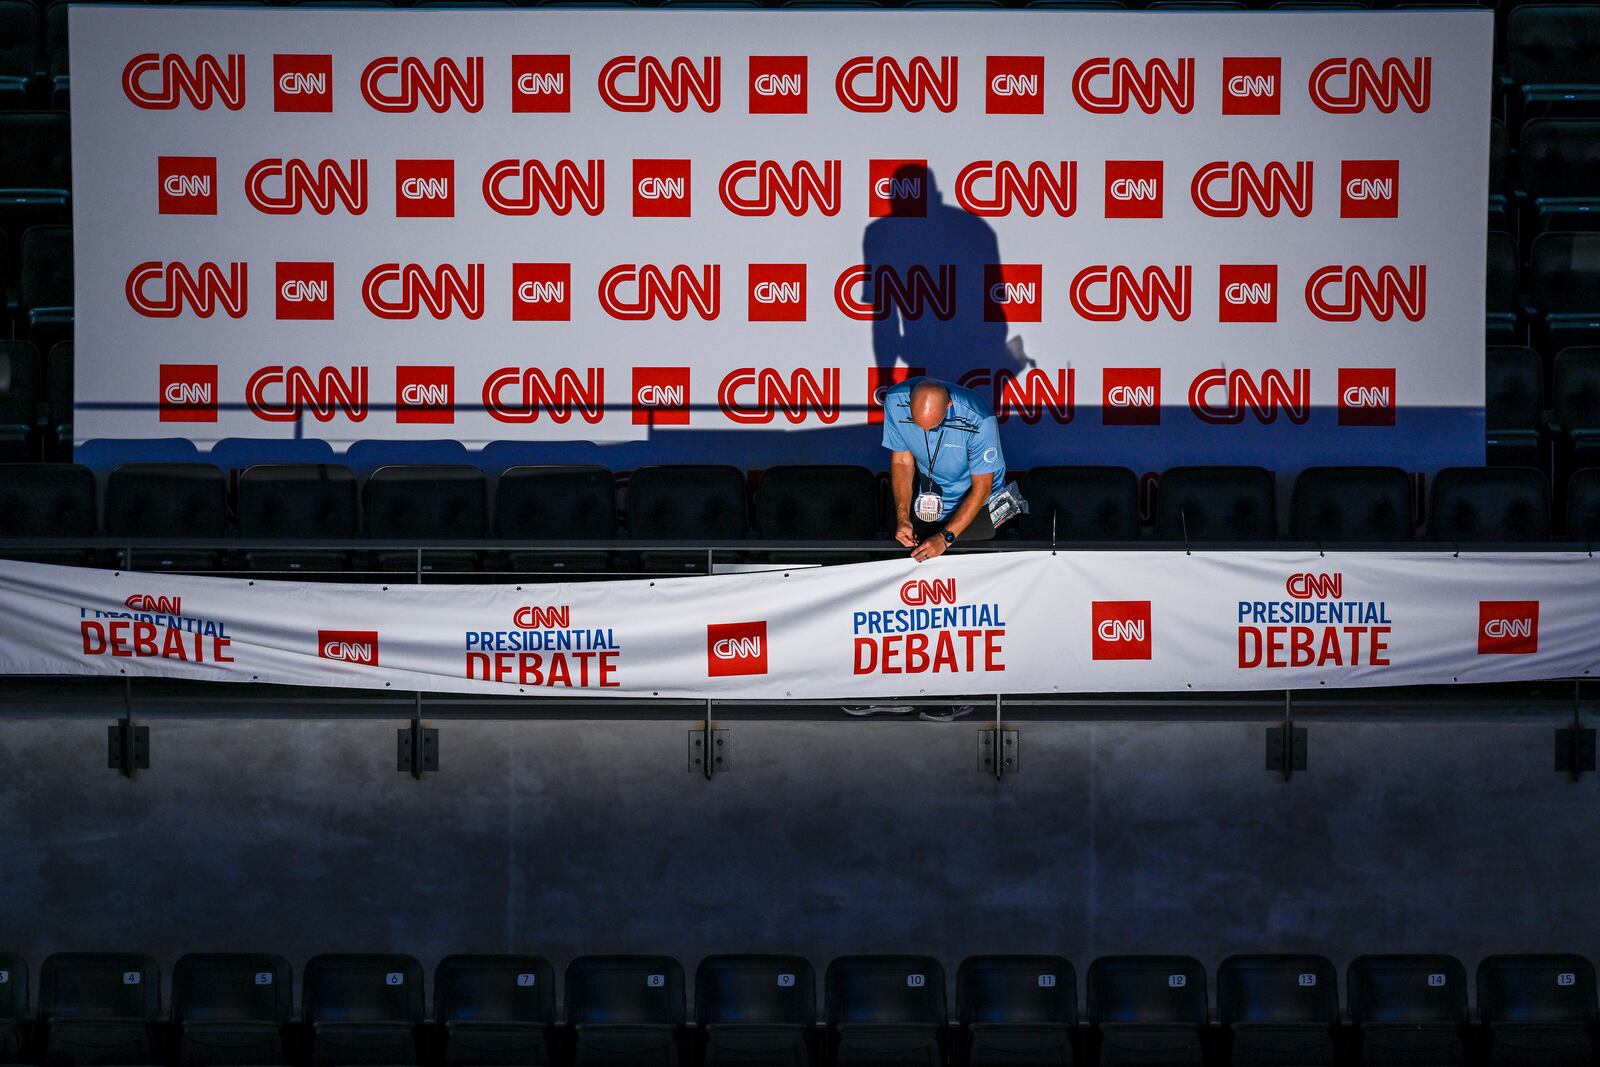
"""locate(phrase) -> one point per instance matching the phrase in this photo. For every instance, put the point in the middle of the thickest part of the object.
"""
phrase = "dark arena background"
(494, 501)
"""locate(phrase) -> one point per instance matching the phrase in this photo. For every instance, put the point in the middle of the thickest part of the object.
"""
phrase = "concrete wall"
(824, 838)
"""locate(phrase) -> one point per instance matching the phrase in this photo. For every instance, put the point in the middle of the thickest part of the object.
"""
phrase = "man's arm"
(902, 473)
(977, 497)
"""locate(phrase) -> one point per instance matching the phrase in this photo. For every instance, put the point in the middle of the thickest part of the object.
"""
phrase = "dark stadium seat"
(1576, 406)
(1502, 301)
(1278, 1010)
(1553, 58)
(167, 500)
(676, 502)
(756, 1009)
(58, 394)
(98, 1008)
(495, 1010)
(57, 54)
(19, 51)
(556, 504)
(1080, 504)
(45, 278)
(816, 503)
(886, 1009)
(1408, 1010)
(1565, 283)
(46, 501)
(20, 396)
(1216, 504)
(1489, 504)
(230, 1008)
(1514, 407)
(1540, 1010)
(1559, 160)
(35, 168)
(1016, 1009)
(1352, 504)
(625, 1011)
(426, 503)
(1147, 1010)
(1583, 505)
(1499, 202)
(13, 1005)
(362, 1009)
(298, 501)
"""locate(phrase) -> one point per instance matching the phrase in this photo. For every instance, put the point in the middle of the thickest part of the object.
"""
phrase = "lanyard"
(932, 449)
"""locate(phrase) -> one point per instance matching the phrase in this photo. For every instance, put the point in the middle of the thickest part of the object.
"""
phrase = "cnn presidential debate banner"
(1144, 237)
(1010, 622)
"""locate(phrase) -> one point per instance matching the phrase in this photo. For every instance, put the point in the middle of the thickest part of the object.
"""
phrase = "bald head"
(929, 403)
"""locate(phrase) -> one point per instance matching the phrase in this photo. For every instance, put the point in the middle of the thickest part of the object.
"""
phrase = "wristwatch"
(949, 538)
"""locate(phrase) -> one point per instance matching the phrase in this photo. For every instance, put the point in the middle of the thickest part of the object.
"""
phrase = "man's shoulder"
(971, 404)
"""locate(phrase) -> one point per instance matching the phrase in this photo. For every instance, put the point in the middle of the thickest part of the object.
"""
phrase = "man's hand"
(903, 533)
(932, 547)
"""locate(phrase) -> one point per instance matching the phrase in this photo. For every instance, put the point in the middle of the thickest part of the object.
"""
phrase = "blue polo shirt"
(967, 443)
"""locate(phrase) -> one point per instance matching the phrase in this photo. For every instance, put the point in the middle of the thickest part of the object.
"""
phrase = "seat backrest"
(892, 990)
(1080, 504)
(304, 500)
(1147, 989)
(1560, 157)
(46, 500)
(99, 985)
(19, 383)
(46, 267)
(232, 987)
(1406, 989)
(625, 989)
(166, 500)
(1502, 277)
(1565, 272)
(1216, 504)
(19, 37)
(1577, 388)
(1556, 988)
(1016, 989)
(556, 504)
(494, 989)
(362, 988)
(1513, 388)
(58, 380)
(1497, 157)
(38, 151)
(13, 987)
(441, 502)
(1353, 504)
(770, 990)
(1489, 504)
(1277, 988)
(1553, 43)
(817, 503)
(689, 501)
(1583, 504)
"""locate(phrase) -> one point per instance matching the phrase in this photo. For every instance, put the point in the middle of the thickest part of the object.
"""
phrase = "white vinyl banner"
(1007, 623)
(1146, 238)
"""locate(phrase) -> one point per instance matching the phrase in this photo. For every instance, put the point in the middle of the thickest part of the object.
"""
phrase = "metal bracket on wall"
(418, 749)
(710, 749)
(1003, 758)
(1286, 743)
(128, 746)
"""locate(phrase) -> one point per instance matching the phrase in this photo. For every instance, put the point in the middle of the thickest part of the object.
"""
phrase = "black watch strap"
(949, 538)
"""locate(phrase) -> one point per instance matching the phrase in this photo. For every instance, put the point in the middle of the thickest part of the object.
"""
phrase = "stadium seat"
(97, 1008)
(20, 396)
(1499, 203)
(625, 1011)
(756, 1009)
(426, 503)
(58, 394)
(13, 1005)
(1080, 504)
(1016, 1010)
(1278, 1010)
(1408, 1009)
(188, 500)
(1576, 407)
(556, 504)
(1565, 282)
(57, 55)
(1559, 160)
(886, 1009)
(1553, 58)
(1540, 1010)
(1216, 504)
(35, 168)
(1352, 504)
(1502, 298)
(19, 51)
(1514, 407)
(675, 503)
(1583, 505)
(44, 502)
(495, 1010)
(1147, 1010)
(230, 1008)
(362, 1009)
(46, 285)
(1489, 504)
(816, 503)
(309, 501)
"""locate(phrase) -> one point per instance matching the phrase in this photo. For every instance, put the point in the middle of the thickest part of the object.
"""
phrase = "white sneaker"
(879, 709)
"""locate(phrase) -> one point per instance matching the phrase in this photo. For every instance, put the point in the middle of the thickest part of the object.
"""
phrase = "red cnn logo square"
(349, 646)
(777, 85)
(305, 291)
(879, 381)
(424, 394)
(541, 84)
(188, 392)
(1131, 396)
(661, 188)
(302, 82)
(1121, 629)
(897, 187)
(661, 396)
(1369, 189)
(1251, 85)
(186, 185)
(1011, 292)
(1366, 396)
(541, 292)
(736, 648)
(1247, 292)
(1508, 627)
(424, 188)
(1014, 85)
(777, 292)
(1133, 188)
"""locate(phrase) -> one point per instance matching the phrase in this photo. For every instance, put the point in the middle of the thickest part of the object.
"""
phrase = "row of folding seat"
(1278, 1010)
